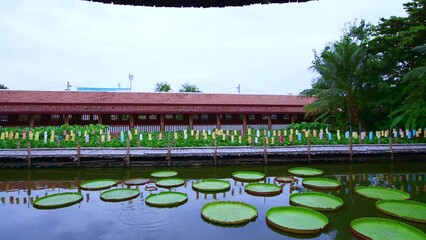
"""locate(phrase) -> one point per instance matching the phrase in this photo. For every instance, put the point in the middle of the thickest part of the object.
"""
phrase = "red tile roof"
(150, 102)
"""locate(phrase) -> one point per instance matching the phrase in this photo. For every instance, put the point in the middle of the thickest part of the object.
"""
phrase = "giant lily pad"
(285, 179)
(166, 199)
(136, 181)
(321, 183)
(229, 213)
(58, 200)
(263, 189)
(212, 185)
(382, 228)
(296, 219)
(164, 173)
(409, 210)
(169, 182)
(99, 184)
(316, 200)
(379, 193)
(119, 194)
(248, 176)
(305, 171)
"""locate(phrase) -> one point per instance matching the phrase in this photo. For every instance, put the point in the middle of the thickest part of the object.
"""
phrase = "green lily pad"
(305, 171)
(98, 184)
(317, 201)
(58, 200)
(166, 199)
(285, 179)
(405, 209)
(229, 213)
(248, 176)
(169, 182)
(119, 194)
(263, 189)
(212, 185)
(164, 173)
(379, 193)
(382, 228)
(321, 183)
(137, 181)
(296, 219)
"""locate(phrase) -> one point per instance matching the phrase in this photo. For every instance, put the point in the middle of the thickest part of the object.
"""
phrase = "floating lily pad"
(212, 185)
(379, 193)
(321, 183)
(382, 228)
(316, 200)
(409, 210)
(248, 176)
(305, 171)
(119, 194)
(164, 173)
(98, 184)
(136, 181)
(166, 199)
(285, 179)
(263, 189)
(170, 182)
(229, 213)
(296, 219)
(58, 200)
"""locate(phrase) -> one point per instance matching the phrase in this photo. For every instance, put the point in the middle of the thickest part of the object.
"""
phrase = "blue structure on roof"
(93, 89)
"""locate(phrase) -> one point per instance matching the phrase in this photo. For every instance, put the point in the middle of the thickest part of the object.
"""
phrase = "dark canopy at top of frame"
(195, 3)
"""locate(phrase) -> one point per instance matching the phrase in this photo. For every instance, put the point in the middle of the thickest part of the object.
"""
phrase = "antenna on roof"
(131, 79)
(68, 87)
(239, 89)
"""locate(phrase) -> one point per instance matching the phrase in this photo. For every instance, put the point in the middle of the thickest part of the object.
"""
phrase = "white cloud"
(265, 48)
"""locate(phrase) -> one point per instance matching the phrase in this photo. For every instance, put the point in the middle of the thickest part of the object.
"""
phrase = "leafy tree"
(163, 87)
(3, 86)
(339, 86)
(412, 111)
(188, 87)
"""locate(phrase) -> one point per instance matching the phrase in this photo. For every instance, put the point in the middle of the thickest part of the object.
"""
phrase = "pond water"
(96, 219)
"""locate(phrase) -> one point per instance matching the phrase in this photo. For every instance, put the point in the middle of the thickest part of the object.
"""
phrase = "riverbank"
(119, 157)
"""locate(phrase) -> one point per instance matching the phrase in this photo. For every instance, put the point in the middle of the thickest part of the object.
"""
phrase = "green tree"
(163, 87)
(189, 87)
(412, 111)
(3, 86)
(338, 88)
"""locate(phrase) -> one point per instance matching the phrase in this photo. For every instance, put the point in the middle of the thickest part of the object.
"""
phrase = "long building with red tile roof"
(150, 111)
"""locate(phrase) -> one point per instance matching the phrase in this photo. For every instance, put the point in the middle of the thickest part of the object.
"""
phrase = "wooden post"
(66, 119)
(162, 124)
(390, 145)
(131, 121)
(191, 121)
(309, 148)
(78, 153)
(127, 153)
(218, 121)
(265, 156)
(100, 119)
(350, 149)
(215, 151)
(29, 154)
(244, 122)
(168, 158)
(31, 120)
(269, 122)
(292, 118)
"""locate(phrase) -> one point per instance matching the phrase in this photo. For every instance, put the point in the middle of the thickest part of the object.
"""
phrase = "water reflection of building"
(25, 192)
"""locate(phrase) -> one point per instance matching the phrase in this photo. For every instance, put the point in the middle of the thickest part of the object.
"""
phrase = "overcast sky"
(266, 48)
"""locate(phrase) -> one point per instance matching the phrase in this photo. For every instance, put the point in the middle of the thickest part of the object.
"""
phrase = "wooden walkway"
(201, 152)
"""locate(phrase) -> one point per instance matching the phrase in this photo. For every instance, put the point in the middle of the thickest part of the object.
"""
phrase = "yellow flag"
(16, 135)
(67, 138)
(175, 136)
(103, 138)
(272, 140)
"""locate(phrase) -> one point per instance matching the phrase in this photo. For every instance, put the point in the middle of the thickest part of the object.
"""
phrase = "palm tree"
(338, 87)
